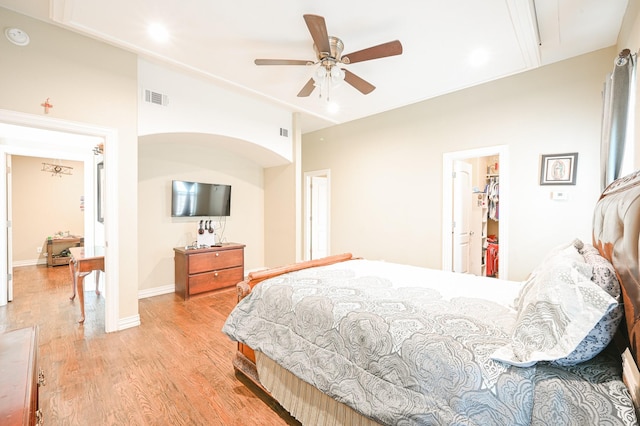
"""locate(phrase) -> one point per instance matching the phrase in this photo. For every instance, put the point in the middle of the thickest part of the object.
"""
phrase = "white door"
(9, 233)
(317, 211)
(461, 215)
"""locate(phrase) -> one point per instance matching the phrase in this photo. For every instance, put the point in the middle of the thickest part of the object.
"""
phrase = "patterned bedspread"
(412, 346)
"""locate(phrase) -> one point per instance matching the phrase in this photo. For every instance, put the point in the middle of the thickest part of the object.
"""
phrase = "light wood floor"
(174, 369)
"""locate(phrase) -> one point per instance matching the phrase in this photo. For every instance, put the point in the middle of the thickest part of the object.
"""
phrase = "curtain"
(617, 118)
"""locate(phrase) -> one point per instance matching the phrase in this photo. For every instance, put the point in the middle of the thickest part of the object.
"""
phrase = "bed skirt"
(303, 401)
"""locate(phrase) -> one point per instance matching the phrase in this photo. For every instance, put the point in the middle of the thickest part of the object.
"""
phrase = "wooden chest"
(20, 378)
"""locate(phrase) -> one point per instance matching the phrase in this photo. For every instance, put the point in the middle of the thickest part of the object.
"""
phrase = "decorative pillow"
(560, 254)
(563, 251)
(604, 276)
(558, 308)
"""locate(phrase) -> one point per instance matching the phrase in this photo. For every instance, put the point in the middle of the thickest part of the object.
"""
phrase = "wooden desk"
(85, 260)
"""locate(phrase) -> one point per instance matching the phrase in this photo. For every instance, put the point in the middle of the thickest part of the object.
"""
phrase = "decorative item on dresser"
(20, 378)
(201, 270)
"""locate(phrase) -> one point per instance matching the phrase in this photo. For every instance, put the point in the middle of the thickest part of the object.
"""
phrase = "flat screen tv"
(200, 199)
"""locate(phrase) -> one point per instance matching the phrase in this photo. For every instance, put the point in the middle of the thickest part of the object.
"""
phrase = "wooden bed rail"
(244, 287)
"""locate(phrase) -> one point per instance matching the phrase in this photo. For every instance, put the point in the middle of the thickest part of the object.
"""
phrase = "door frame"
(307, 209)
(110, 138)
(502, 151)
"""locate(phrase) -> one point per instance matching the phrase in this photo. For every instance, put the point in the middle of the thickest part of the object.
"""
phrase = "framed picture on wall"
(100, 192)
(558, 169)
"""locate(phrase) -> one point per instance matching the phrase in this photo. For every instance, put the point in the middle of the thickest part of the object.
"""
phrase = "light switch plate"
(559, 195)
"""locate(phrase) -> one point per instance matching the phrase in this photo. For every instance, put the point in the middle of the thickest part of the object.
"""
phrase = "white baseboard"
(29, 262)
(156, 291)
(129, 322)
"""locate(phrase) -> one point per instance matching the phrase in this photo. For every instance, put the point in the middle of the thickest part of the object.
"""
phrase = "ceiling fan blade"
(363, 86)
(318, 30)
(307, 89)
(391, 48)
(282, 62)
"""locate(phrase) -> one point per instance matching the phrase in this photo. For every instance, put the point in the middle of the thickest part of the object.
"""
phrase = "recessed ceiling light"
(479, 57)
(17, 36)
(158, 32)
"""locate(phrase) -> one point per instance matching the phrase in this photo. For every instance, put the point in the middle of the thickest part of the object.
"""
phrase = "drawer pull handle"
(41, 380)
(39, 417)
(217, 254)
(215, 274)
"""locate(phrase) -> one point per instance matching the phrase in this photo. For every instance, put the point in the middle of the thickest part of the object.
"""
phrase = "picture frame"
(100, 192)
(558, 169)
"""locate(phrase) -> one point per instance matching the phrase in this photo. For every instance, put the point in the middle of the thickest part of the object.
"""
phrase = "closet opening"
(479, 211)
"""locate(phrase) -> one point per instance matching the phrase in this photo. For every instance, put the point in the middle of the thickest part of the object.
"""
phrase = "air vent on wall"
(155, 98)
(284, 132)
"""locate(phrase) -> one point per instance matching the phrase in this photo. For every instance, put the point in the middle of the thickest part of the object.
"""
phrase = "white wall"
(199, 106)
(386, 170)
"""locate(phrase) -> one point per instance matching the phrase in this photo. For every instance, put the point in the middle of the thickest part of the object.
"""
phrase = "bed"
(344, 340)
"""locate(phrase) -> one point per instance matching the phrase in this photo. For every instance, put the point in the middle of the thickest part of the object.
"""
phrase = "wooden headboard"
(616, 234)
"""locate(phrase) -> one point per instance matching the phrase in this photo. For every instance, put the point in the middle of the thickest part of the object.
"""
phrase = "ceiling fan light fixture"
(337, 75)
(329, 58)
(327, 77)
(320, 74)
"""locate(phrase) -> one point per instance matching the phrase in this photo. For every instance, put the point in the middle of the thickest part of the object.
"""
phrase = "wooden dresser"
(20, 378)
(201, 270)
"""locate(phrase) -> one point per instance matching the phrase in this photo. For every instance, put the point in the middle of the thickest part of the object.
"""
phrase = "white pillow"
(558, 307)
(604, 276)
(604, 273)
(562, 253)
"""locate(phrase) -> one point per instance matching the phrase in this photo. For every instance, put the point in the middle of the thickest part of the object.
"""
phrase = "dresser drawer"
(204, 262)
(215, 279)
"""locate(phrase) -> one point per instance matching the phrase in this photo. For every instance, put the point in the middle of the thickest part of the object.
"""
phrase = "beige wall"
(282, 207)
(87, 82)
(190, 158)
(386, 170)
(43, 205)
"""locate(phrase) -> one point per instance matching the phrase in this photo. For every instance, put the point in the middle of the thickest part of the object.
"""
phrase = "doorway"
(448, 205)
(317, 207)
(47, 128)
(30, 147)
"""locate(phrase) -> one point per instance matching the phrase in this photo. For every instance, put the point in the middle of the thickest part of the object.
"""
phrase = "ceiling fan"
(329, 57)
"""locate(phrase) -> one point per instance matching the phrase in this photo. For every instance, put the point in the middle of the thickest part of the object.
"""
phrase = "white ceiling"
(221, 39)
